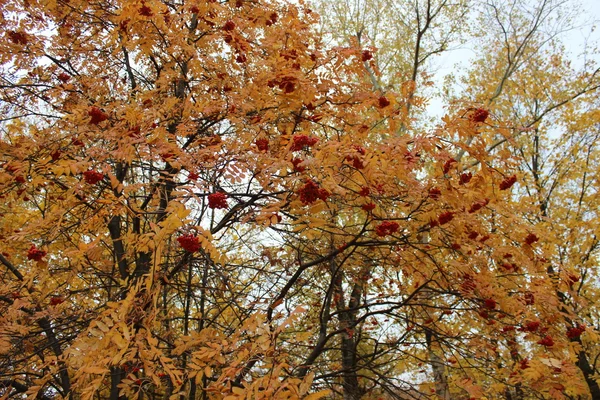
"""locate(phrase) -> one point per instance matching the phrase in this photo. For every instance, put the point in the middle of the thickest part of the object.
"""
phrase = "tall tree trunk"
(437, 365)
(349, 341)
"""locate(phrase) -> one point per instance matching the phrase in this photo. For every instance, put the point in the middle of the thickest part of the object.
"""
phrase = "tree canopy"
(245, 199)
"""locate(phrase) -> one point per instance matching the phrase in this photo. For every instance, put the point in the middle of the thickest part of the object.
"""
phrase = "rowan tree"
(204, 201)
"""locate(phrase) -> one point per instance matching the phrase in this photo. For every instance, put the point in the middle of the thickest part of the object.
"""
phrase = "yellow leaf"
(94, 370)
(318, 395)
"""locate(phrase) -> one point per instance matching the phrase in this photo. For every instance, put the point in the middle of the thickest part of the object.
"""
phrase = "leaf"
(318, 395)
(94, 370)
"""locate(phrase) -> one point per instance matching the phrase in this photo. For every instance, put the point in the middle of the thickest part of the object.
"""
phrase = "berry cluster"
(508, 182)
(531, 238)
(575, 332)
(387, 228)
(296, 163)
(546, 341)
(479, 205)
(448, 165)
(302, 141)
(217, 200)
(490, 304)
(189, 243)
(311, 192)
(465, 178)
(531, 326)
(18, 37)
(97, 115)
(435, 193)
(445, 217)
(368, 207)
(356, 159)
(56, 300)
(35, 254)
(383, 102)
(93, 177)
(364, 191)
(63, 77)
(262, 144)
(229, 26)
(479, 115)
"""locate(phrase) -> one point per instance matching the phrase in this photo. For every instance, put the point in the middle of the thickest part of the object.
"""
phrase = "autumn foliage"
(204, 200)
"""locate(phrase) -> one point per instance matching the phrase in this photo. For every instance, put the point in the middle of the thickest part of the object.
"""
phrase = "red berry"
(448, 165)
(531, 238)
(217, 200)
(18, 37)
(383, 102)
(368, 207)
(56, 300)
(365, 191)
(445, 217)
(359, 149)
(296, 163)
(272, 18)
(93, 177)
(529, 298)
(229, 26)
(357, 163)
(241, 58)
(575, 332)
(465, 178)
(145, 11)
(387, 228)
(189, 243)
(366, 55)
(479, 115)
(572, 280)
(531, 326)
(311, 192)
(508, 182)
(64, 77)
(490, 304)
(477, 206)
(35, 254)
(546, 341)
(262, 144)
(192, 176)
(435, 193)
(302, 141)
(97, 115)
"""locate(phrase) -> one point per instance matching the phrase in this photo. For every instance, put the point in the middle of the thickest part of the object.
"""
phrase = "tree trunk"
(437, 365)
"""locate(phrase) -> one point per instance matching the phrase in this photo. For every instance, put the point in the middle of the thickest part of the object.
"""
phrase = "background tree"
(552, 106)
